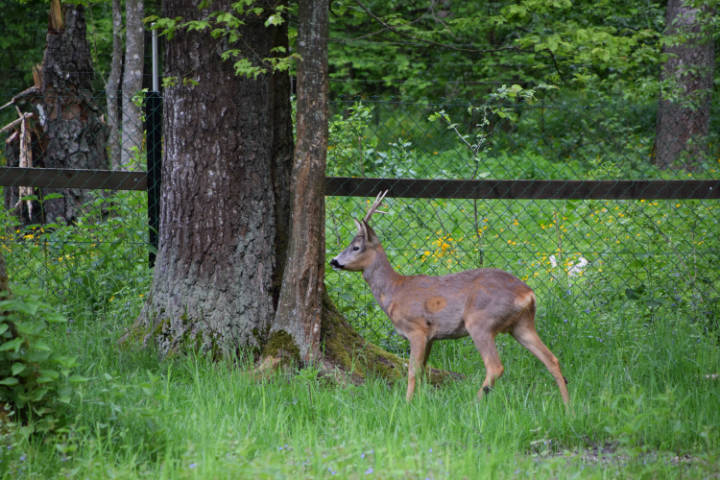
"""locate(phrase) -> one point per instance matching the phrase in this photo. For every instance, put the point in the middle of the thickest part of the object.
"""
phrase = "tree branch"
(430, 42)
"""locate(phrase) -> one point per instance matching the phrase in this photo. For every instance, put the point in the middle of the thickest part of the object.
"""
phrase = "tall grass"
(641, 406)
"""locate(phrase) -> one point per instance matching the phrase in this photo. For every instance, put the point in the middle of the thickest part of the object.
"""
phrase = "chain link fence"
(586, 255)
(100, 264)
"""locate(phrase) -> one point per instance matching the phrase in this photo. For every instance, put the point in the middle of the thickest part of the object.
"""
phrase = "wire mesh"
(582, 257)
(646, 257)
(87, 247)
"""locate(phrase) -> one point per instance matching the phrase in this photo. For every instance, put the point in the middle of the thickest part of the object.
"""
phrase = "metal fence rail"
(399, 187)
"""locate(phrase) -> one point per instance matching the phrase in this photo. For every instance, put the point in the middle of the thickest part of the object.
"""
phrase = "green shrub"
(35, 380)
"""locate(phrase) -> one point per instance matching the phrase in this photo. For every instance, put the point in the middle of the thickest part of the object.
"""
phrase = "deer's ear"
(362, 228)
(370, 234)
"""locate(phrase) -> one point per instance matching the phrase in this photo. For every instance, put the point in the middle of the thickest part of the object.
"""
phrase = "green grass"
(641, 407)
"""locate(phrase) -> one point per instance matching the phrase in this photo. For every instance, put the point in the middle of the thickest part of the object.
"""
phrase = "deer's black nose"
(335, 264)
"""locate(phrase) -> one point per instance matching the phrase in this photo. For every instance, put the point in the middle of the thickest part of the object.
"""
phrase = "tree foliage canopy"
(462, 49)
(418, 49)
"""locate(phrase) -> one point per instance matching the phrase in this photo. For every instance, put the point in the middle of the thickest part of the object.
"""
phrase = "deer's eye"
(356, 248)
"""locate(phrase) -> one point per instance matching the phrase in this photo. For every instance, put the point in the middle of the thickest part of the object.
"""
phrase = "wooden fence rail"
(404, 188)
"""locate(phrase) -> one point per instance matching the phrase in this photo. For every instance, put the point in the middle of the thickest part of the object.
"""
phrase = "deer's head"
(363, 248)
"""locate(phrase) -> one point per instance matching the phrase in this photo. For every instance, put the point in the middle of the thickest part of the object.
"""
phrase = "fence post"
(153, 127)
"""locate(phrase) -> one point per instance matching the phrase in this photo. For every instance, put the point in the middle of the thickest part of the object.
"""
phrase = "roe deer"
(480, 303)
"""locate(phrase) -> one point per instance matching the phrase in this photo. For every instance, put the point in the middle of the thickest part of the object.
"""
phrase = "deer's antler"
(375, 205)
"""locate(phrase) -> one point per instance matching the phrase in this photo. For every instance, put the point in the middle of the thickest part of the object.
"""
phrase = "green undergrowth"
(644, 404)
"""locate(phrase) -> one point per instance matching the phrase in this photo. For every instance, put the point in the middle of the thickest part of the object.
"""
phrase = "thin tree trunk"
(299, 310)
(132, 128)
(73, 136)
(113, 85)
(683, 118)
(224, 208)
(308, 327)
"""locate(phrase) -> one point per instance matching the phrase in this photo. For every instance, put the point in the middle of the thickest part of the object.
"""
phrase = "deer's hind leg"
(484, 339)
(525, 333)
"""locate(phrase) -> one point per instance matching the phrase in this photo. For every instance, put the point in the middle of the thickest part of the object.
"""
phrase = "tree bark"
(225, 192)
(112, 87)
(299, 311)
(132, 128)
(683, 118)
(73, 135)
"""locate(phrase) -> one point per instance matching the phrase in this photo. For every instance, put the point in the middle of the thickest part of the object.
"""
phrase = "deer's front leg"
(418, 347)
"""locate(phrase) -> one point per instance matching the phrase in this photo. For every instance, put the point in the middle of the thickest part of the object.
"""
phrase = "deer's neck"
(382, 278)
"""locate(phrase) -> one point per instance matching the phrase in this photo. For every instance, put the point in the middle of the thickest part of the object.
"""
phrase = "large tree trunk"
(225, 209)
(683, 118)
(113, 86)
(225, 191)
(299, 310)
(132, 128)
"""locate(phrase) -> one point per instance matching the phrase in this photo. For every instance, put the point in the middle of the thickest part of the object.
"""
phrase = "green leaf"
(17, 368)
(13, 344)
(52, 196)
(233, 52)
(47, 376)
(55, 317)
(50, 373)
(36, 356)
(66, 361)
(21, 306)
(197, 25)
(9, 381)
(77, 379)
(244, 67)
(64, 394)
(228, 19)
(28, 329)
(41, 346)
(274, 19)
(38, 394)
(240, 5)
(514, 90)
